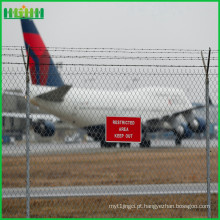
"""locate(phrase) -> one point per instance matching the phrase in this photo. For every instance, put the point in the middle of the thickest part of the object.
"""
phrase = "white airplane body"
(88, 107)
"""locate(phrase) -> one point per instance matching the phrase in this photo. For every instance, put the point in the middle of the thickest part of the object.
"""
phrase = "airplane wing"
(33, 117)
(188, 110)
(165, 123)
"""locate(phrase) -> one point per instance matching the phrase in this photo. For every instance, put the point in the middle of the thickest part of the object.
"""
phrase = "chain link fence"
(74, 172)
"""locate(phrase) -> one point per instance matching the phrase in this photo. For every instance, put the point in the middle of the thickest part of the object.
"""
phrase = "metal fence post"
(27, 139)
(207, 132)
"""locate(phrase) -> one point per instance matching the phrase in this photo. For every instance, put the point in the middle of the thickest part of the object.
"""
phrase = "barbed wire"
(113, 57)
(112, 50)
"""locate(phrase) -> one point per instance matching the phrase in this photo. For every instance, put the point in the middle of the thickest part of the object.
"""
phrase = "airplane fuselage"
(88, 107)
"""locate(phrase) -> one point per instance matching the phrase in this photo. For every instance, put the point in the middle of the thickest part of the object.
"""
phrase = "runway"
(109, 190)
(94, 147)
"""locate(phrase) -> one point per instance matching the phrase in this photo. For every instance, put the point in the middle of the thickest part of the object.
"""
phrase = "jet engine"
(44, 128)
(183, 131)
(198, 125)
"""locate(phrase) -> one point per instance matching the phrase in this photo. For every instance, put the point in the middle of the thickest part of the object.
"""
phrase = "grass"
(158, 166)
(99, 207)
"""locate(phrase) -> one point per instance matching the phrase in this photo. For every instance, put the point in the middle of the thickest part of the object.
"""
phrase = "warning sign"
(123, 129)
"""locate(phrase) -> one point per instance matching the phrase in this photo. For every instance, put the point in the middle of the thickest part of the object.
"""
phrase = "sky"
(131, 25)
(151, 25)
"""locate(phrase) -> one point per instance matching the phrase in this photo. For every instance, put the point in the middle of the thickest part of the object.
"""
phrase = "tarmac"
(94, 147)
(109, 190)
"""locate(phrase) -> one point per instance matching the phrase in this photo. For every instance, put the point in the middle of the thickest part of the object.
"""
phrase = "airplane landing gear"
(125, 145)
(178, 141)
(107, 144)
(145, 143)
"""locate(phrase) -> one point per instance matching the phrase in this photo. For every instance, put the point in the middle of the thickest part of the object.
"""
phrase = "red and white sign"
(123, 129)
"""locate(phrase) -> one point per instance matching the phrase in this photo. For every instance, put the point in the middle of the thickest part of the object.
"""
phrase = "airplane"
(158, 107)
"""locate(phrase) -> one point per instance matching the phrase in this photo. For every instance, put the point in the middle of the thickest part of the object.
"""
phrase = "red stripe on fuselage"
(38, 47)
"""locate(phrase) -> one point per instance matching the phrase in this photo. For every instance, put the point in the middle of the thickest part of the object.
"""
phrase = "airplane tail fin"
(42, 69)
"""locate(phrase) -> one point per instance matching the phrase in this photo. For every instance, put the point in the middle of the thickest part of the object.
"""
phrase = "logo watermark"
(157, 206)
(23, 13)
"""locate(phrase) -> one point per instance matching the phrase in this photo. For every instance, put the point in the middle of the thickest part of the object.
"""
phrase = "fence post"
(207, 132)
(27, 139)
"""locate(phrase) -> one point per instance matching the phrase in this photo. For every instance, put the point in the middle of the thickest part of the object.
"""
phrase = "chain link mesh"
(74, 172)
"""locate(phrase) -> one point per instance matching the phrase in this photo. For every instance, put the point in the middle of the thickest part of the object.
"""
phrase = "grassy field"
(82, 207)
(151, 166)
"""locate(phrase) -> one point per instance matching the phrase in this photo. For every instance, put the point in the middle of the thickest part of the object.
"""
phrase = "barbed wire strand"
(102, 48)
(113, 57)
(98, 50)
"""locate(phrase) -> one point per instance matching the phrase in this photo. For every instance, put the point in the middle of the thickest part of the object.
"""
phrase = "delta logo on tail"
(42, 69)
